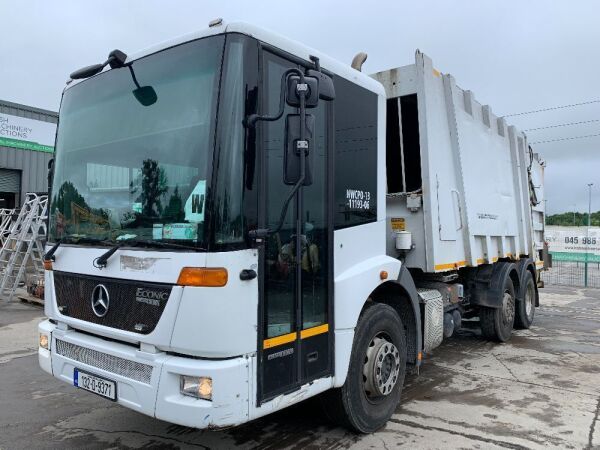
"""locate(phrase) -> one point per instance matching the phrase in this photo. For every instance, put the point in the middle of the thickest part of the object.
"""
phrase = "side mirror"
(312, 94)
(146, 95)
(291, 157)
(50, 175)
(326, 88)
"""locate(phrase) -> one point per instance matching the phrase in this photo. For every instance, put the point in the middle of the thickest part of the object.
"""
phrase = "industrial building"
(27, 137)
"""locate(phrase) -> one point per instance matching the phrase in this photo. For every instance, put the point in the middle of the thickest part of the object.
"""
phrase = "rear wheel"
(497, 323)
(376, 373)
(525, 309)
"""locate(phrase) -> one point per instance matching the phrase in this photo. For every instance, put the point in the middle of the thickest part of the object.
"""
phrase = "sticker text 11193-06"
(358, 199)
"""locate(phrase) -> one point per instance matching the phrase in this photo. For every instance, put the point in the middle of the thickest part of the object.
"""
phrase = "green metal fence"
(575, 257)
(573, 269)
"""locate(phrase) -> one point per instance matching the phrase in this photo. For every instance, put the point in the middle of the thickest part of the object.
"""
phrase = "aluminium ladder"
(23, 248)
(7, 217)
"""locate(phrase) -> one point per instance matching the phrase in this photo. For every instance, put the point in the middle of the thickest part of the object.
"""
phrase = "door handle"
(456, 198)
(248, 274)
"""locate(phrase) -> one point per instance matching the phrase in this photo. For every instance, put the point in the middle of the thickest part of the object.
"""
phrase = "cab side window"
(355, 155)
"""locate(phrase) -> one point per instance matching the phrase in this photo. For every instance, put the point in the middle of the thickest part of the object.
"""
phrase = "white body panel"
(475, 191)
(220, 322)
(359, 255)
(192, 316)
(234, 382)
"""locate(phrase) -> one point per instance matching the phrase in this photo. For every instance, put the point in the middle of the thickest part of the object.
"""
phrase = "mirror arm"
(253, 118)
(290, 196)
(264, 232)
(130, 67)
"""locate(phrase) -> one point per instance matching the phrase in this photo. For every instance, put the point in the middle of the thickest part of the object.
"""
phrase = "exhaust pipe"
(359, 60)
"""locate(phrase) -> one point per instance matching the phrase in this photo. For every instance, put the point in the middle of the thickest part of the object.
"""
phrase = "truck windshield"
(131, 165)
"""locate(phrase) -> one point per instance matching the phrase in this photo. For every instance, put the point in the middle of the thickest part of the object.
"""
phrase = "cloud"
(515, 55)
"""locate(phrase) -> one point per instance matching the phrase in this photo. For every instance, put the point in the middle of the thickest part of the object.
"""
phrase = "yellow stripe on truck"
(291, 337)
(314, 331)
(279, 340)
(450, 266)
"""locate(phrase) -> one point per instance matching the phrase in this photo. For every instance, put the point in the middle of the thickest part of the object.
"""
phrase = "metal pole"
(587, 245)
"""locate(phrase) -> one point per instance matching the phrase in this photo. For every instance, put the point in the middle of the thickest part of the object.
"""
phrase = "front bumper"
(149, 382)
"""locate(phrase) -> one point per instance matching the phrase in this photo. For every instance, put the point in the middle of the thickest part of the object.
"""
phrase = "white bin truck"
(239, 222)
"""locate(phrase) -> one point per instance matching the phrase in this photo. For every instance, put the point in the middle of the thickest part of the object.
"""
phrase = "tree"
(75, 215)
(569, 219)
(68, 194)
(174, 211)
(153, 184)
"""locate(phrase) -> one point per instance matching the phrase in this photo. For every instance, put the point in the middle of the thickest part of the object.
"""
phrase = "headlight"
(44, 341)
(197, 387)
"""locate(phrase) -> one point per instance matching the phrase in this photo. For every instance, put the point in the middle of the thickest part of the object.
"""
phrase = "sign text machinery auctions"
(27, 134)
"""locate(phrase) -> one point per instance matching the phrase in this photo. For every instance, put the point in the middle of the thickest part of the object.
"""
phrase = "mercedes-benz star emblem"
(100, 300)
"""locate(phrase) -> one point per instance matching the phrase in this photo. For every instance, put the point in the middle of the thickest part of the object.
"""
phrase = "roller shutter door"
(10, 181)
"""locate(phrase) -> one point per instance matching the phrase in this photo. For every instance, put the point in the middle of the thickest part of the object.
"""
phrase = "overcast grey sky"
(515, 55)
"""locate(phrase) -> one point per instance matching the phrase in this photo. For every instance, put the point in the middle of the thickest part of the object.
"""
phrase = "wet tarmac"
(542, 389)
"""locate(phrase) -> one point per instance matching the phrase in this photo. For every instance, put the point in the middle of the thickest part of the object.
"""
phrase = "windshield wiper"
(49, 256)
(101, 261)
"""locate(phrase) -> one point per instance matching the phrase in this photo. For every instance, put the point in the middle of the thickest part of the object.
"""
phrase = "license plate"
(93, 383)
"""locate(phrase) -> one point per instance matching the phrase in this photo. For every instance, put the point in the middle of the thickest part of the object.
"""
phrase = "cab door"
(295, 307)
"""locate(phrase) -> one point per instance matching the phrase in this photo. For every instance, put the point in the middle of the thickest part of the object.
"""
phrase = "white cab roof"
(273, 39)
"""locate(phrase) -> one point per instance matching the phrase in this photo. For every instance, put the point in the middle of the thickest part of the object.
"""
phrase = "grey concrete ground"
(540, 390)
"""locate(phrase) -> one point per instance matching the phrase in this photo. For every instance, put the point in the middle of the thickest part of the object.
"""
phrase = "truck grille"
(113, 364)
(132, 305)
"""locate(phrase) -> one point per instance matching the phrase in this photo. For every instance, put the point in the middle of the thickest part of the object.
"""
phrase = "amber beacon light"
(203, 276)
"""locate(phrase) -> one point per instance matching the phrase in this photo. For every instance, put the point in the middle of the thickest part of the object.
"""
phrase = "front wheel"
(376, 373)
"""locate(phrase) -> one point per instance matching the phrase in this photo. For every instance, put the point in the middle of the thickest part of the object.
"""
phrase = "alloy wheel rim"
(381, 368)
(508, 310)
(529, 296)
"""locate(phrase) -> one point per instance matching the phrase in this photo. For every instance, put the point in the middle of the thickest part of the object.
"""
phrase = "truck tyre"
(497, 323)
(525, 308)
(376, 373)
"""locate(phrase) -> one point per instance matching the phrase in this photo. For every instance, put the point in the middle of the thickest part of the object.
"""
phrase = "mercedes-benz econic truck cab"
(223, 241)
